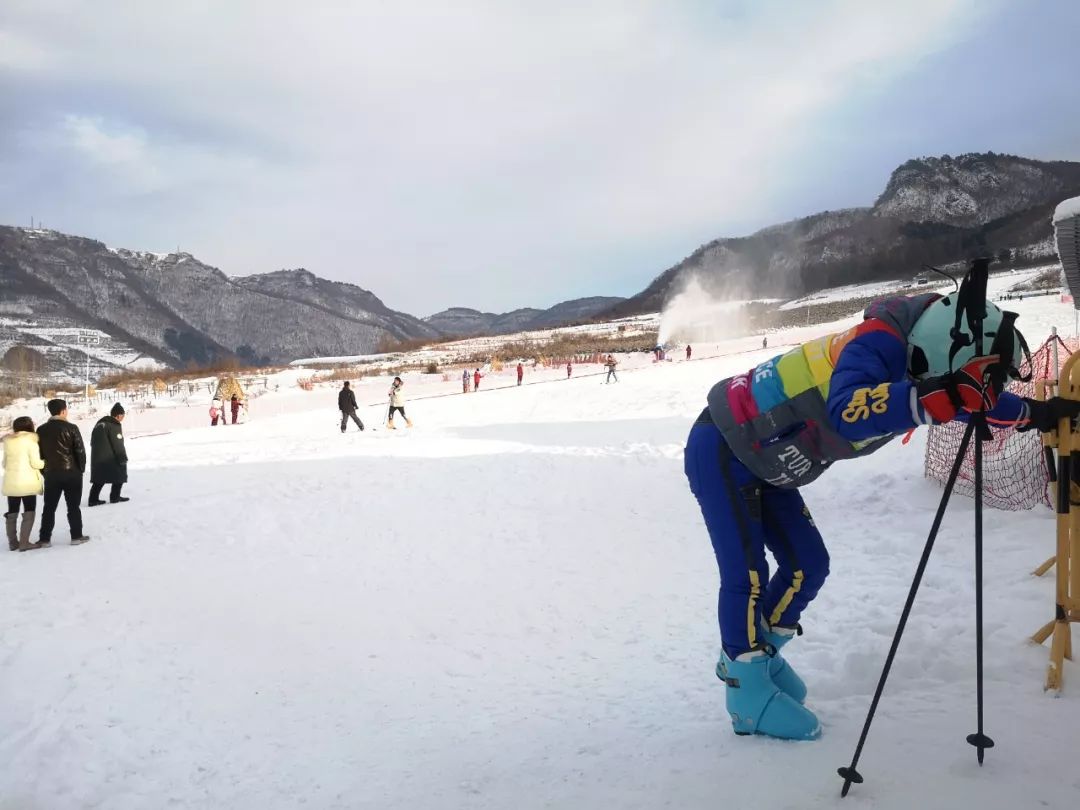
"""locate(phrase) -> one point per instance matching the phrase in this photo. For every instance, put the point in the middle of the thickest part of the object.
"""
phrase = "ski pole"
(850, 773)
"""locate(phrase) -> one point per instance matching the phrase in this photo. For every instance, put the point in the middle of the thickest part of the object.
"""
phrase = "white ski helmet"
(931, 340)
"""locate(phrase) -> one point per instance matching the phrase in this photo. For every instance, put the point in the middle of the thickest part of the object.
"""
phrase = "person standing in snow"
(476, 380)
(216, 412)
(520, 373)
(765, 342)
(64, 455)
(569, 369)
(234, 407)
(23, 482)
(611, 369)
(687, 351)
(108, 458)
(766, 433)
(346, 402)
(397, 403)
(465, 381)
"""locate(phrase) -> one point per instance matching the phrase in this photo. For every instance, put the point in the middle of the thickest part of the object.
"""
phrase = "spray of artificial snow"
(695, 316)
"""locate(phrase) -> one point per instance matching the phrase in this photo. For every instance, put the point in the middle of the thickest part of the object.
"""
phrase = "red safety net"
(1014, 466)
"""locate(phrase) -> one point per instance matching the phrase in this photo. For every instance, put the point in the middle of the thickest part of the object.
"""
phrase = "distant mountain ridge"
(176, 310)
(933, 210)
(465, 322)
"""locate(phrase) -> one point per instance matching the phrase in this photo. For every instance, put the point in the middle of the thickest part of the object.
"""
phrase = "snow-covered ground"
(999, 282)
(511, 605)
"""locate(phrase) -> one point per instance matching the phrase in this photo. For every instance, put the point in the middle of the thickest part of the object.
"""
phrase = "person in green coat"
(108, 457)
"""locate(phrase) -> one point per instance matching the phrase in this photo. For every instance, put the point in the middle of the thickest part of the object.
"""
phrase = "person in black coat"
(64, 455)
(346, 402)
(108, 457)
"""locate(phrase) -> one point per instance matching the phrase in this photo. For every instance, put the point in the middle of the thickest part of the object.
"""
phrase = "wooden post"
(1049, 442)
(1067, 591)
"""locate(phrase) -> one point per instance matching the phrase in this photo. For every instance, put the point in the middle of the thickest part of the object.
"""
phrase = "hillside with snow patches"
(512, 604)
(171, 309)
(934, 210)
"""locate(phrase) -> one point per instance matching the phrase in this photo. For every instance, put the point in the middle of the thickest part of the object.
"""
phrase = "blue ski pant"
(744, 517)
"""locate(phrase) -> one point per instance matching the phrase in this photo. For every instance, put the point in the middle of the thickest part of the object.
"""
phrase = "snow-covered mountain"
(465, 322)
(932, 211)
(174, 309)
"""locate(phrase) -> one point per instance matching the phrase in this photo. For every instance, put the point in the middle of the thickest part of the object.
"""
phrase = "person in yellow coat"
(22, 482)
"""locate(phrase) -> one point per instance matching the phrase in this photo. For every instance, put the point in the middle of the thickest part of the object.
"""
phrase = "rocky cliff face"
(932, 211)
(971, 190)
(175, 309)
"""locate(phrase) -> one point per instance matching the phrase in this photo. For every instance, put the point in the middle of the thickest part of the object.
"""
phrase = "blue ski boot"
(756, 704)
(782, 673)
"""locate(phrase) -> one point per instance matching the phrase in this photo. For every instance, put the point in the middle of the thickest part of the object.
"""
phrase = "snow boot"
(25, 530)
(782, 673)
(78, 541)
(390, 424)
(119, 499)
(9, 526)
(756, 704)
(408, 423)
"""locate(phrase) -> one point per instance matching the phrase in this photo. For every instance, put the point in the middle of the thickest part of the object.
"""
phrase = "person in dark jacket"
(108, 457)
(64, 455)
(234, 407)
(346, 402)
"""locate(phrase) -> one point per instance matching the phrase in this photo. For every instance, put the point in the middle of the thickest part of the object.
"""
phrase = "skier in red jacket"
(476, 380)
(520, 373)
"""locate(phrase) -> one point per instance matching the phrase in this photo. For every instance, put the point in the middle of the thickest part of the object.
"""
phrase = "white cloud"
(124, 154)
(426, 150)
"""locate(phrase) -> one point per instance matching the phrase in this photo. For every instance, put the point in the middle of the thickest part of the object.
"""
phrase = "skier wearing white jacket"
(397, 403)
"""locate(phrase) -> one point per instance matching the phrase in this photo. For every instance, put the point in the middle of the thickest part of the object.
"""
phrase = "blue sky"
(501, 154)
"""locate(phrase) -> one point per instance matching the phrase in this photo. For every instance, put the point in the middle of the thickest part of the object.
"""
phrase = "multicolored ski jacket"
(837, 397)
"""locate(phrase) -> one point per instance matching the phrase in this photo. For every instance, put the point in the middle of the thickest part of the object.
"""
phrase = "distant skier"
(520, 373)
(569, 369)
(611, 369)
(779, 426)
(765, 342)
(234, 407)
(687, 351)
(465, 381)
(346, 402)
(397, 403)
(476, 380)
(217, 412)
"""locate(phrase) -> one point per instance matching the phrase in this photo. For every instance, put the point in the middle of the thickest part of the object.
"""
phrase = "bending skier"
(768, 432)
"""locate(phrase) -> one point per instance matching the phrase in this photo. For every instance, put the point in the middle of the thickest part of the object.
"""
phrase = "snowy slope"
(511, 605)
